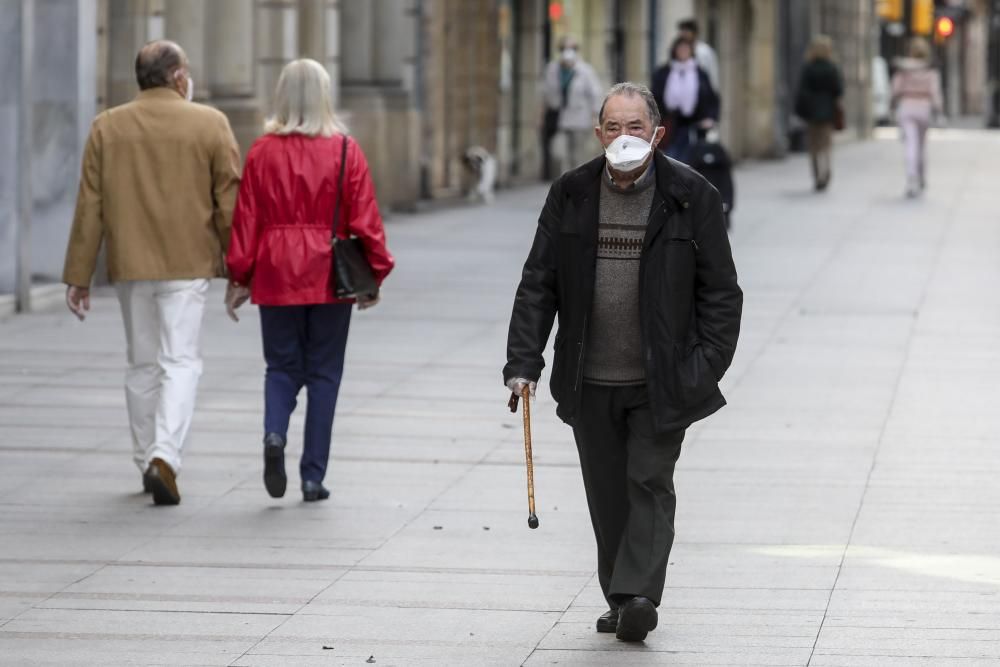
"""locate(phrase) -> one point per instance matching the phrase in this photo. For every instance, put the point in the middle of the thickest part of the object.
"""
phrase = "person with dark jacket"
(685, 98)
(632, 256)
(280, 255)
(818, 104)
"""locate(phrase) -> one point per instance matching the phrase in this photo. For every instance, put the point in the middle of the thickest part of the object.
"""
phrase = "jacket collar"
(159, 93)
(670, 179)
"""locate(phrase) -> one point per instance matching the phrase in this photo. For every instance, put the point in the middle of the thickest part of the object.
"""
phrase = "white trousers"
(162, 330)
(914, 124)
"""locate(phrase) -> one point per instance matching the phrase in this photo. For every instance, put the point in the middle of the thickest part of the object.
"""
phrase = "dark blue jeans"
(304, 345)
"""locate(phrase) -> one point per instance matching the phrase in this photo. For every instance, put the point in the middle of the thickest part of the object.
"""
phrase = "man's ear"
(658, 134)
(597, 133)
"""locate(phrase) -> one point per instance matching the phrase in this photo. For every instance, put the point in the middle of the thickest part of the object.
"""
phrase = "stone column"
(635, 14)
(357, 33)
(378, 64)
(185, 23)
(528, 66)
(759, 110)
(391, 56)
(735, 69)
(319, 36)
(128, 30)
(277, 44)
(669, 12)
(230, 66)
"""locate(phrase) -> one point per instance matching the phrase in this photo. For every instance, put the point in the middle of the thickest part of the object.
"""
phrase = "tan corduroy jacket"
(158, 185)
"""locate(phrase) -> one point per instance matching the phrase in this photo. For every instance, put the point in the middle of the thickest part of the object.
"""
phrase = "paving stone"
(847, 492)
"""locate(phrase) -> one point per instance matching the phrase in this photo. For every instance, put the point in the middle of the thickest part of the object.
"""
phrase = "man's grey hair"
(631, 89)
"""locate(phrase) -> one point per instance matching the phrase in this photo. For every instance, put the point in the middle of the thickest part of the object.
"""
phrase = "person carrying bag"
(307, 243)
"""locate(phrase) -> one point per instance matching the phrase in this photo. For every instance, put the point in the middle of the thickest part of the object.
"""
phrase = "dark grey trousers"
(628, 472)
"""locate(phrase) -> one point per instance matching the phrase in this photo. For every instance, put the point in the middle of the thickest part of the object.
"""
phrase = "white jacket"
(708, 61)
(583, 101)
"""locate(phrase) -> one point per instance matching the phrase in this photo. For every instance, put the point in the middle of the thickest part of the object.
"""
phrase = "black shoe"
(146, 483)
(608, 621)
(314, 491)
(635, 619)
(275, 480)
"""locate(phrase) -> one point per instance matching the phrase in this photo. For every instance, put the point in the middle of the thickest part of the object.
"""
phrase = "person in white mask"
(688, 103)
(572, 94)
(632, 256)
(157, 188)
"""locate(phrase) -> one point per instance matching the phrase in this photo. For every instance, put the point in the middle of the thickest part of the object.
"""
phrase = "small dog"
(483, 167)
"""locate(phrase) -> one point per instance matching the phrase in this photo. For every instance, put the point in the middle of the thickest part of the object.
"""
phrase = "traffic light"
(944, 28)
(555, 11)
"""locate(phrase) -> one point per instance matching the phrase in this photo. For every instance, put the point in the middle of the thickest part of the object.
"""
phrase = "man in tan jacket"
(158, 185)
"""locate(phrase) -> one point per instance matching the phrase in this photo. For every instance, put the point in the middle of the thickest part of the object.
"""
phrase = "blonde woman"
(818, 103)
(280, 257)
(916, 96)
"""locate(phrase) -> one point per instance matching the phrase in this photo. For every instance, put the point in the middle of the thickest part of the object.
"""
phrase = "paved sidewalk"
(841, 511)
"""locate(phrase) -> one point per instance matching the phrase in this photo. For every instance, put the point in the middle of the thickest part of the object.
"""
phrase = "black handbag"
(352, 275)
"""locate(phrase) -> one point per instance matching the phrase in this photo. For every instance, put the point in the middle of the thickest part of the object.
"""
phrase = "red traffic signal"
(944, 27)
(555, 11)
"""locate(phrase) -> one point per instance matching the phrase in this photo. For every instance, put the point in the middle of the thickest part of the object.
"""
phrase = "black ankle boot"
(275, 480)
(314, 491)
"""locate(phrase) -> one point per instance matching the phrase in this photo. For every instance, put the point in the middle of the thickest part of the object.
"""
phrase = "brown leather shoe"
(163, 483)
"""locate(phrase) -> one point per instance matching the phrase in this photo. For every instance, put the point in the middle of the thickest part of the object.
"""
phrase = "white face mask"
(627, 152)
(568, 56)
(190, 89)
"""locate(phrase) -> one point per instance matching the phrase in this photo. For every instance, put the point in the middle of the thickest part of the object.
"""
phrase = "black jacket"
(689, 301)
(708, 105)
(820, 86)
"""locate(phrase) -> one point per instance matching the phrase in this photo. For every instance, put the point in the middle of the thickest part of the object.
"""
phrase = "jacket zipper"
(693, 243)
(579, 361)
(647, 351)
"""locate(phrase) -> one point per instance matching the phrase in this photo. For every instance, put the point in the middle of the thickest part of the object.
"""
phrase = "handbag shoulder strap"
(340, 187)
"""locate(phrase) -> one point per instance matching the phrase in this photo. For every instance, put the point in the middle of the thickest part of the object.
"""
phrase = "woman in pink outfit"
(916, 94)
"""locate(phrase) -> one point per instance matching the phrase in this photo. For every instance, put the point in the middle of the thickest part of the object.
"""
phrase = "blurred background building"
(420, 81)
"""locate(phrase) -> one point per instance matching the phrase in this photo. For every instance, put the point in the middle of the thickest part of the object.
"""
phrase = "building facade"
(418, 82)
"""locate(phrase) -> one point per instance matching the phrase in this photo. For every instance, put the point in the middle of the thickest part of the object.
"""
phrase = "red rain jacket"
(280, 243)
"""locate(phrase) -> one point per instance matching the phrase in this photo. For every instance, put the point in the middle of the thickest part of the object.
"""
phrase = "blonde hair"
(820, 47)
(302, 103)
(919, 48)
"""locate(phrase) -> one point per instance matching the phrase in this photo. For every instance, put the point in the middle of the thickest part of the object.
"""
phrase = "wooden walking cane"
(526, 394)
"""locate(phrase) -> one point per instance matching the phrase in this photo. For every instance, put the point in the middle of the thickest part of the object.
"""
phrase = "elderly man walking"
(158, 185)
(631, 253)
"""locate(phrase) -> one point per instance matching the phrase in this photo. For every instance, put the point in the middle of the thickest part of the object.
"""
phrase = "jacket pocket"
(696, 378)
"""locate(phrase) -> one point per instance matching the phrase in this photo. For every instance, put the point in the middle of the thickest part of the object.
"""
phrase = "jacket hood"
(911, 64)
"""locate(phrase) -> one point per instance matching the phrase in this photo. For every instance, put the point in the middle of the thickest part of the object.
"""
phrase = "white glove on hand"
(516, 385)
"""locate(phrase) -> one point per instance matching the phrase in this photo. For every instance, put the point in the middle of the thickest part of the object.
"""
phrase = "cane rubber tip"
(532, 522)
